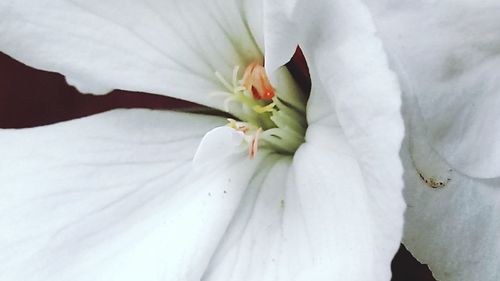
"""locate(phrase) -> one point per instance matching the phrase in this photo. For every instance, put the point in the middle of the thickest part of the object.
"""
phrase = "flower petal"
(348, 64)
(280, 36)
(218, 142)
(454, 228)
(114, 197)
(446, 54)
(354, 88)
(165, 47)
(315, 217)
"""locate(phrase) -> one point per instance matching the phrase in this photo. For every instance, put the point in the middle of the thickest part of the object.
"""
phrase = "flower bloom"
(285, 190)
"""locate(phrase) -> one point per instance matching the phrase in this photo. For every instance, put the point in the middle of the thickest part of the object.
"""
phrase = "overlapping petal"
(119, 200)
(446, 55)
(339, 213)
(114, 197)
(315, 216)
(280, 32)
(348, 64)
(165, 47)
(455, 228)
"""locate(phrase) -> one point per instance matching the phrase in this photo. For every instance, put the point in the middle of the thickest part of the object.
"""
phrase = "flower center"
(270, 116)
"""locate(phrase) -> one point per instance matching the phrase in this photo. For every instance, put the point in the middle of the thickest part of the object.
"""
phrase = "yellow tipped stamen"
(264, 109)
(232, 123)
(238, 126)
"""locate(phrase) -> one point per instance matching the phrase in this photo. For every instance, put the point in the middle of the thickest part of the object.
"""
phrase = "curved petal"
(315, 217)
(114, 197)
(446, 54)
(280, 36)
(349, 66)
(454, 228)
(219, 142)
(165, 47)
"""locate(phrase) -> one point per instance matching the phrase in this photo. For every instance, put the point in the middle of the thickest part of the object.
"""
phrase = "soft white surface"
(454, 229)
(312, 218)
(280, 32)
(114, 197)
(447, 59)
(168, 47)
(218, 143)
(349, 66)
(447, 56)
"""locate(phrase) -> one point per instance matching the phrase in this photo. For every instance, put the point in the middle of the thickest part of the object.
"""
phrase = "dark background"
(30, 97)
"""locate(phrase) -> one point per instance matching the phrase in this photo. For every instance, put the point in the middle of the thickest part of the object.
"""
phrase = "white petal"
(280, 33)
(166, 47)
(354, 89)
(312, 218)
(218, 143)
(454, 229)
(114, 197)
(446, 54)
(348, 64)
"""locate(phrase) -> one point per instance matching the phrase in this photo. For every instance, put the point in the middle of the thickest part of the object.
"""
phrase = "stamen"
(235, 76)
(254, 144)
(268, 119)
(238, 126)
(232, 123)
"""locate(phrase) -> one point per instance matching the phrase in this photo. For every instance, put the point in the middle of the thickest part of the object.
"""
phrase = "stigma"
(255, 80)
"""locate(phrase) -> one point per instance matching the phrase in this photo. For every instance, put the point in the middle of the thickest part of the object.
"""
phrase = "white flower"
(448, 59)
(116, 196)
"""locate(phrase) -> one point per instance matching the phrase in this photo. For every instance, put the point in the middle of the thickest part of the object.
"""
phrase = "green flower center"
(270, 116)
